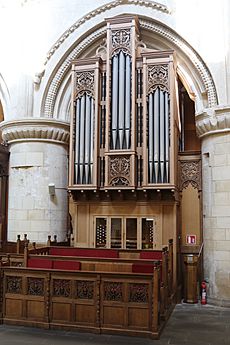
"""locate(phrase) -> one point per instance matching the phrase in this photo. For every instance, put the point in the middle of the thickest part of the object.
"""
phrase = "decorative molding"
(146, 3)
(213, 121)
(35, 130)
(154, 27)
(157, 77)
(190, 173)
(185, 47)
(50, 98)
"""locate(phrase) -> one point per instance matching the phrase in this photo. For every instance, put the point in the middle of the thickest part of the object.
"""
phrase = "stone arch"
(192, 69)
(4, 98)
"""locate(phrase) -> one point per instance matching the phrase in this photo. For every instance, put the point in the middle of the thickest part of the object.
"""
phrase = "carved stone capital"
(39, 129)
(213, 121)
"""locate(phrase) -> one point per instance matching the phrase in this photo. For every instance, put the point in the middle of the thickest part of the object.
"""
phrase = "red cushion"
(95, 253)
(154, 255)
(40, 263)
(67, 265)
(142, 268)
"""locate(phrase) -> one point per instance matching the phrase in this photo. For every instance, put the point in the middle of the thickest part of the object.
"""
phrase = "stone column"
(214, 130)
(38, 157)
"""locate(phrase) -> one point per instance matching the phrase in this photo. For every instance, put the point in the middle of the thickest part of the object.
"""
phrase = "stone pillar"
(214, 131)
(38, 157)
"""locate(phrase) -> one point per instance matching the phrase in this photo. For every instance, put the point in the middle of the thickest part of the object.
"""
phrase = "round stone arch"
(56, 84)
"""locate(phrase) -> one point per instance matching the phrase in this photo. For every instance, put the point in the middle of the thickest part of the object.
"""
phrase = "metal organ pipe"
(162, 135)
(77, 139)
(166, 136)
(87, 137)
(127, 102)
(82, 139)
(150, 139)
(91, 140)
(121, 100)
(156, 132)
(114, 100)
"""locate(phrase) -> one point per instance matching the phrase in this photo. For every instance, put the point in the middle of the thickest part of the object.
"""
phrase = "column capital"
(35, 129)
(213, 121)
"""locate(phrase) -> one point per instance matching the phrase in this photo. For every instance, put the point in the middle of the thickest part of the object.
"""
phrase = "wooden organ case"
(124, 143)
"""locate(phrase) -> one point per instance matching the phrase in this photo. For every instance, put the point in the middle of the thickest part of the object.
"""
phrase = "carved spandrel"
(190, 173)
(119, 170)
(121, 40)
(84, 82)
(158, 77)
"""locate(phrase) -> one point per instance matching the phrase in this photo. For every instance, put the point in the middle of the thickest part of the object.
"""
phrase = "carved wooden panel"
(35, 286)
(14, 284)
(190, 173)
(84, 82)
(61, 288)
(119, 170)
(158, 76)
(84, 289)
(113, 291)
(138, 293)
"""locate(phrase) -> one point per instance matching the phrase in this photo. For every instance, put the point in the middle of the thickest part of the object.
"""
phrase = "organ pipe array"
(84, 139)
(124, 115)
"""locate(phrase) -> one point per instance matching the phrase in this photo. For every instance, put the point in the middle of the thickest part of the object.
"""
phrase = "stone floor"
(188, 325)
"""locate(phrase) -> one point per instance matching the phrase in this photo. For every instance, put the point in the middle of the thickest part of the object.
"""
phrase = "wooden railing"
(101, 302)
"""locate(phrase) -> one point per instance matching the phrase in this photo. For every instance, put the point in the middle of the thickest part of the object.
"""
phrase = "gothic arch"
(191, 68)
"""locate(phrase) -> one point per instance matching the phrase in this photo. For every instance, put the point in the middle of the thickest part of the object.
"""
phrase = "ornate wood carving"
(138, 293)
(190, 173)
(61, 287)
(35, 286)
(113, 291)
(158, 76)
(121, 40)
(14, 284)
(119, 170)
(84, 83)
(85, 289)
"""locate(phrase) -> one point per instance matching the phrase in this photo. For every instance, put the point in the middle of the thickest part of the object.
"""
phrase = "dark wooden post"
(26, 254)
(170, 267)
(49, 241)
(155, 300)
(18, 244)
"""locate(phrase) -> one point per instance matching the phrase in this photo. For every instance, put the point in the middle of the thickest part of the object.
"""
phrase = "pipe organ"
(124, 115)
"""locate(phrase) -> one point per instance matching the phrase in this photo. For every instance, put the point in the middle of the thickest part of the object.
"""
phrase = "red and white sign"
(191, 239)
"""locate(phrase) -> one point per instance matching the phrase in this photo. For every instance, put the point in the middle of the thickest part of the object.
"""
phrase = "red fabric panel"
(94, 253)
(67, 265)
(61, 251)
(142, 268)
(154, 255)
(40, 263)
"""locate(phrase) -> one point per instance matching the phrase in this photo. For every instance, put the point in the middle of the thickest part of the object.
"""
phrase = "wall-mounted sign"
(190, 239)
